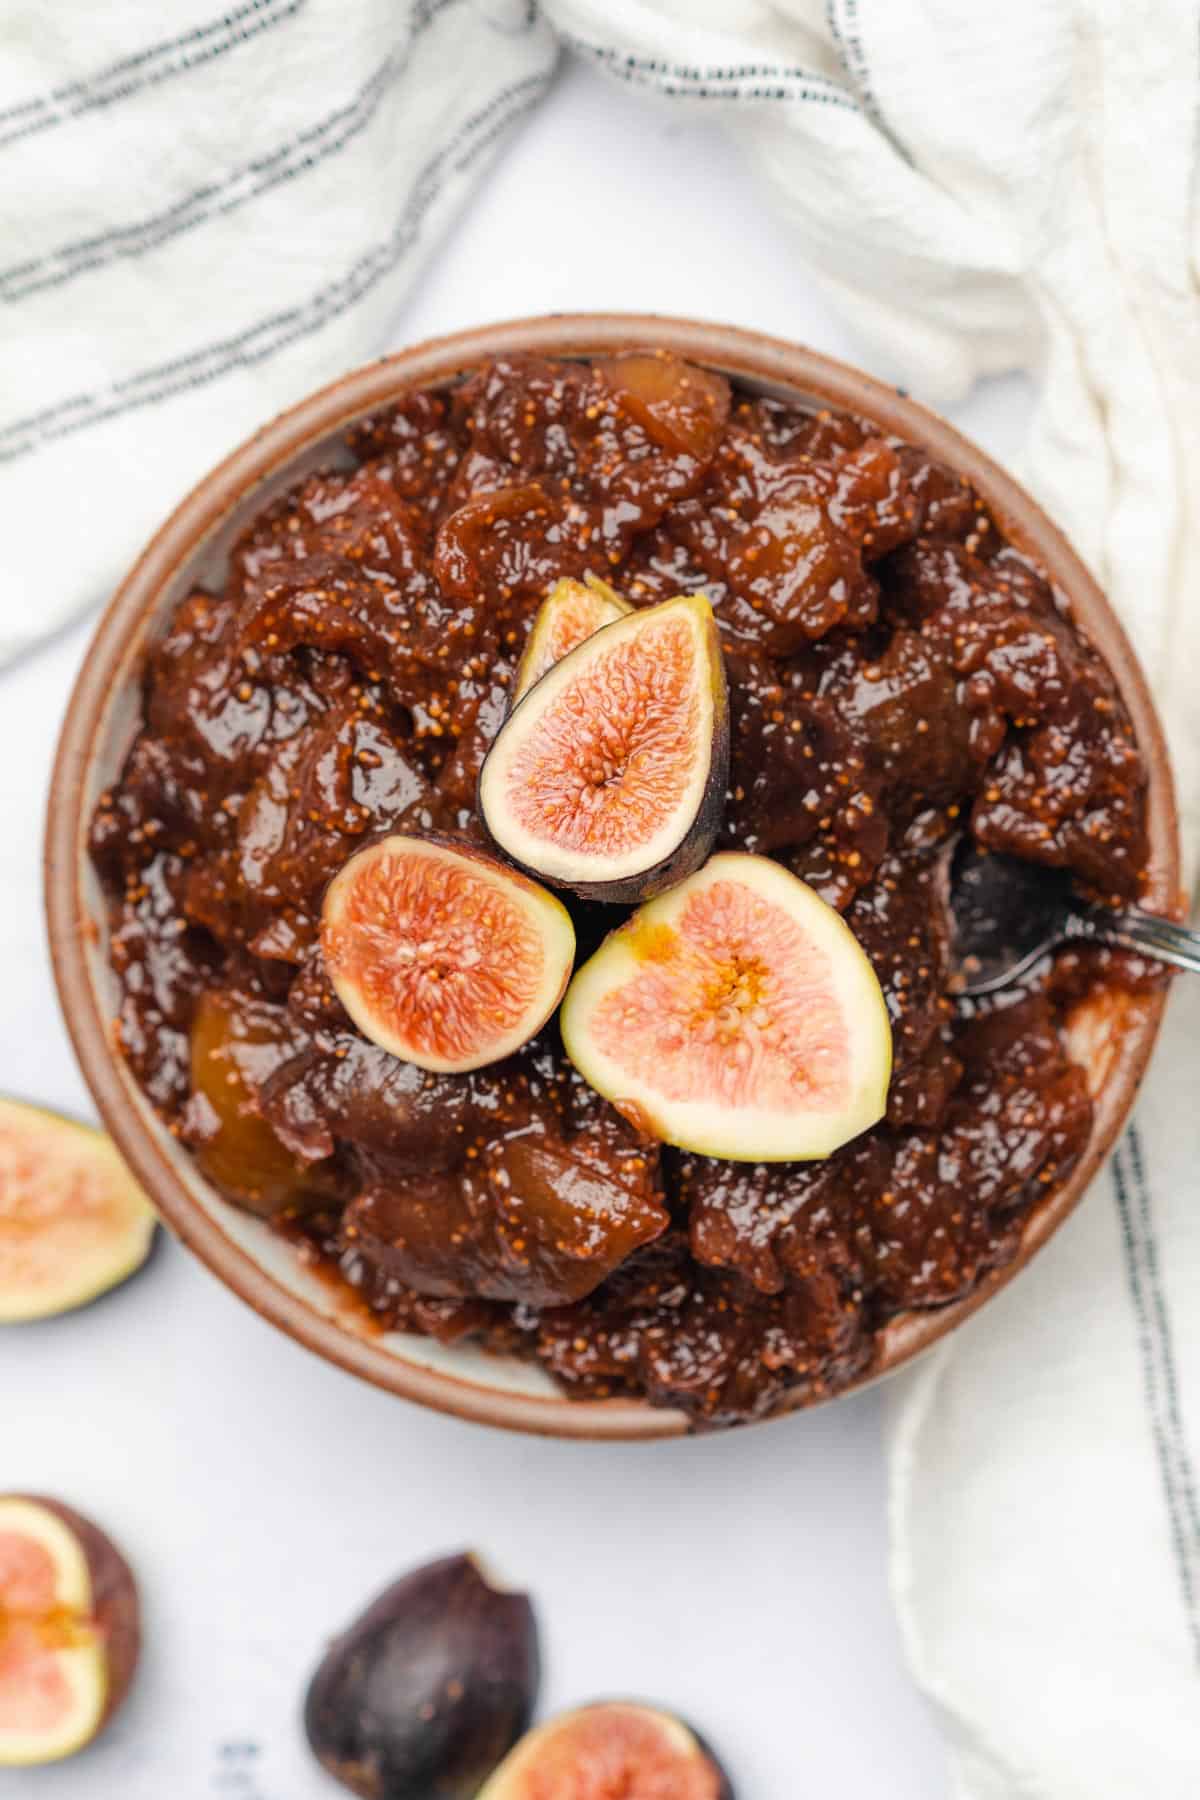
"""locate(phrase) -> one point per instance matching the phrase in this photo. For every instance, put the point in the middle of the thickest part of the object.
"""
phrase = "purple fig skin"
(116, 1609)
(426, 1693)
(726, 1791)
(692, 851)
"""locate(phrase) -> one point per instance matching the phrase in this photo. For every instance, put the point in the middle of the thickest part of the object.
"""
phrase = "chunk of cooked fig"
(69, 1630)
(529, 1221)
(236, 1045)
(423, 1695)
(737, 1016)
(346, 1088)
(611, 1747)
(609, 777)
(73, 1221)
(442, 955)
(571, 612)
(677, 404)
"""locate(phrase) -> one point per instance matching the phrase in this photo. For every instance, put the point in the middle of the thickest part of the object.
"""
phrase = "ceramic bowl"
(1112, 1035)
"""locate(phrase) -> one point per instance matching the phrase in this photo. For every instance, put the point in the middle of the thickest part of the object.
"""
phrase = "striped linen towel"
(206, 212)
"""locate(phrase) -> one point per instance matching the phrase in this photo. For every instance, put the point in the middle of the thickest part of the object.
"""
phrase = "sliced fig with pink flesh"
(609, 777)
(610, 1748)
(571, 612)
(736, 1016)
(69, 1630)
(442, 955)
(73, 1221)
(425, 1693)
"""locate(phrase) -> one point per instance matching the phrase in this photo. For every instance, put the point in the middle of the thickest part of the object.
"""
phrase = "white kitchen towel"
(202, 219)
(206, 211)
(1045, 1492)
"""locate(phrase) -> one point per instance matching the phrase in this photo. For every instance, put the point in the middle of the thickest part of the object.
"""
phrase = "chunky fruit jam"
(900, 674)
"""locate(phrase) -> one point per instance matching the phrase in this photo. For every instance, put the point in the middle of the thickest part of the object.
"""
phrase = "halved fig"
(609, 777)
(69, 1630)
(73, 1221)
(442, 955)
(429, 1689)
(737, 1016)
(612, 1747)
(571, 612)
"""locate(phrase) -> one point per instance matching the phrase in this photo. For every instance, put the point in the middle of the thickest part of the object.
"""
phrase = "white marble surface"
(264, 1496)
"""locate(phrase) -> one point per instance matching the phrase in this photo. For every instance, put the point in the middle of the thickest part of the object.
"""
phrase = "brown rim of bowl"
(116, 648)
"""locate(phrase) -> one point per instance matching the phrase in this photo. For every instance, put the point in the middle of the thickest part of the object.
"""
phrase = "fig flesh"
(736, 1016)
(442, 955)
(611, 1748)
(73, 1221)
(571, 612)
(609, 777)
(424, 1694)
(69, 1630)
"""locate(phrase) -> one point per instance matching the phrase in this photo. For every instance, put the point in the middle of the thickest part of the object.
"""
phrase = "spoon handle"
(1137, 930)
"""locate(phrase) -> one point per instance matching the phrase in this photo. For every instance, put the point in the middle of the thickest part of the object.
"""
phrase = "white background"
(264, 1496)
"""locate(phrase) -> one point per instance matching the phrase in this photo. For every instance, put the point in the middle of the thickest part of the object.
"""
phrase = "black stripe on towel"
(715, 81)
(1159, 1371)
(274, 333)
(144, 68)
(842, 19)
(1185, 1466)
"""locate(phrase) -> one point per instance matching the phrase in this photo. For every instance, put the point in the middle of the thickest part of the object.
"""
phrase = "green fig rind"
(41, 1273)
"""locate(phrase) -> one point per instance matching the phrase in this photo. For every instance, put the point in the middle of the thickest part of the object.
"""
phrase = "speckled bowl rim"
(116, 652)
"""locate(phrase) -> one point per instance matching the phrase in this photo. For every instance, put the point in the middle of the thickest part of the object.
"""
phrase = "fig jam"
(900, 675)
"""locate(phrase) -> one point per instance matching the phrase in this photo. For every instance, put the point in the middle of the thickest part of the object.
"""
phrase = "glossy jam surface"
(899, 675)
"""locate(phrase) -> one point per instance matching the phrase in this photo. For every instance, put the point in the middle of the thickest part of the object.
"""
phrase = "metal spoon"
(1006, 914)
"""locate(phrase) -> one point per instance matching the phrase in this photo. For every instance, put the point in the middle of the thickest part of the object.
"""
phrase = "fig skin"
(680, 1761)
(70, 1276)
(423, 1696)
(115, 1610)
(694, 846)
